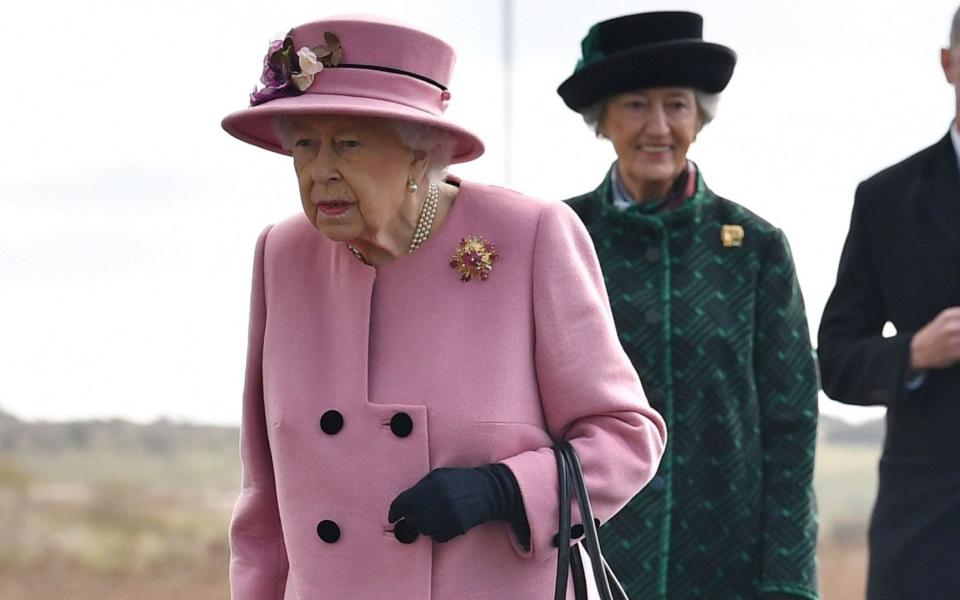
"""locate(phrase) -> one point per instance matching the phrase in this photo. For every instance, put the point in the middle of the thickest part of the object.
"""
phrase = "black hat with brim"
(658, 49)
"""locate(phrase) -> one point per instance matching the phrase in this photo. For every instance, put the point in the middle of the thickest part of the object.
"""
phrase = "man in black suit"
(901, 263)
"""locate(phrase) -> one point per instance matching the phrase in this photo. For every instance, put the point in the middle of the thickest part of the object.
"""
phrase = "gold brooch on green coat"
(731, 236)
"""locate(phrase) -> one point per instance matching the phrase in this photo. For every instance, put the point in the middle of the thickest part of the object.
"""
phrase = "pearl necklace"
(357, 254)
(424, 223)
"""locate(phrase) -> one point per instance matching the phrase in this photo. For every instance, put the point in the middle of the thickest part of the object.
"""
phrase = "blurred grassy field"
(846, 481)
(111, 511)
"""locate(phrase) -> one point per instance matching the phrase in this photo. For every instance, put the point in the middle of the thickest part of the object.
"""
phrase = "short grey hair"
(955, 30)
(439, 145)
(707, 105)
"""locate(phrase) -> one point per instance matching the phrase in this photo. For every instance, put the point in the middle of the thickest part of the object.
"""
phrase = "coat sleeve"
(590, 392)
(258, 558)
(857, 364)
(785, 372)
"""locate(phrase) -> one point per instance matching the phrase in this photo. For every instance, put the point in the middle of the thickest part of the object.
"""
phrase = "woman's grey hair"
(706, 107)
(438, 144)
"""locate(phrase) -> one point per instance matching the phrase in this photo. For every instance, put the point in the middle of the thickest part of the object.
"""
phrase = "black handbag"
(569, 561)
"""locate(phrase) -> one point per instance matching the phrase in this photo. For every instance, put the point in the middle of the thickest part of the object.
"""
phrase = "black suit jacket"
(901, 263)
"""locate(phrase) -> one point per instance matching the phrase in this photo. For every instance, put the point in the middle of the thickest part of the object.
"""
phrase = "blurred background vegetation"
(110, 509)
(113, 510)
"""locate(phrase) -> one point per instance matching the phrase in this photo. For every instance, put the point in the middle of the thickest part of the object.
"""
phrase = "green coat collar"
(601, 201)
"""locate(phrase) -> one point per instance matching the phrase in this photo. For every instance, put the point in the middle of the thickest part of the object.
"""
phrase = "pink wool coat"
(360, 381)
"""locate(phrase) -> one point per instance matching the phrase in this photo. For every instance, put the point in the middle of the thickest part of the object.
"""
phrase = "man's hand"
(937, 344)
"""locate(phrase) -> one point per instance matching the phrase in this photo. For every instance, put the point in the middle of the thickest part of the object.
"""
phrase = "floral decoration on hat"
(289, 73)
(474, 258)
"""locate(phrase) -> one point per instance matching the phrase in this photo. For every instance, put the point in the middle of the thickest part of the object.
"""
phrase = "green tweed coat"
(718, 333)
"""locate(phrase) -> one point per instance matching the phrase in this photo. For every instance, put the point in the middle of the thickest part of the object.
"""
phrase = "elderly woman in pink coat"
(417, 344)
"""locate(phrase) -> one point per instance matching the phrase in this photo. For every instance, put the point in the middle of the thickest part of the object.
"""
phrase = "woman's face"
(651, 131)
(353, 174)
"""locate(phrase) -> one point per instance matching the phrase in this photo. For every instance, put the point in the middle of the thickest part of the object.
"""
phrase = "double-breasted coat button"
(652, 316)
(652, 254)
(576, 532)
(658, 483)
(331, 422)
(401, 425)
(328, 531)
(404, 532)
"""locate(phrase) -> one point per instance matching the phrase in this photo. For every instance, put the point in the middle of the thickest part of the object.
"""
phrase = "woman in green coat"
(708, 307)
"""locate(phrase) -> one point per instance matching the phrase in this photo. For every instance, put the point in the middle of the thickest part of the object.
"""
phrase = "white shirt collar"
(622, 199)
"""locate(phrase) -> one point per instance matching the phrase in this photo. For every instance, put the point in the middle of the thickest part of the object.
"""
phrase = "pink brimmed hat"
(353, 65)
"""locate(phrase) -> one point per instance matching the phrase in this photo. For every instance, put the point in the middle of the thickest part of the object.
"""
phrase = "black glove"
(448, 502)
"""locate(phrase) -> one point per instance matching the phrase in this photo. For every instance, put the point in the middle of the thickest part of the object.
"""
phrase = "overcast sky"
(128, 218)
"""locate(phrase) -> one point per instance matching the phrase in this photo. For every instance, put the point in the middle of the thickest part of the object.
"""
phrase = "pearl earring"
(412, 186)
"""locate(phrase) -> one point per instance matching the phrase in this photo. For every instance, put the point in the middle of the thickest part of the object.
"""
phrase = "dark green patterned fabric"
(719, 337)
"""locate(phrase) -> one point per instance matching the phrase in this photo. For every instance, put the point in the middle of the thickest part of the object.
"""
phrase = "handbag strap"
(618, 592)
(607, 584)
(591, 540)
(563, 536)
(578, 574)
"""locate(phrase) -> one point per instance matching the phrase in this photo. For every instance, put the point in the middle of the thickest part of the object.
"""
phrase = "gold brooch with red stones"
(474, 258)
